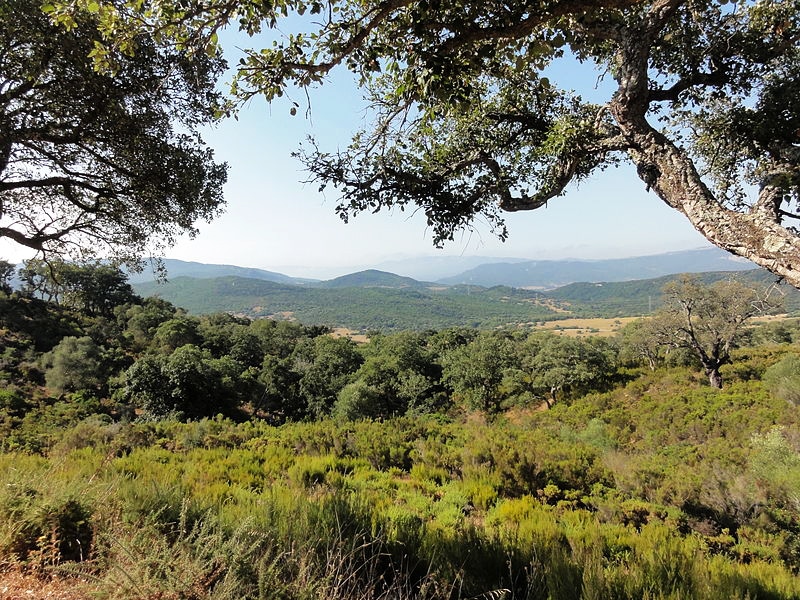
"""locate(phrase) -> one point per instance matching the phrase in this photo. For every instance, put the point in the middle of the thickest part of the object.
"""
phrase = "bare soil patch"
(16, 585)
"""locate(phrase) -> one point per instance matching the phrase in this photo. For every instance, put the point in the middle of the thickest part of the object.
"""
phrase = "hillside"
(373, 278)
(360, 308)
(146, 453)
(379, 300)
(640, 297)
(179, 268)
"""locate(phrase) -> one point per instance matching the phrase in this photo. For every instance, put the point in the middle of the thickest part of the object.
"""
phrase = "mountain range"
(549, 274)
(375, 299)
(489, 272)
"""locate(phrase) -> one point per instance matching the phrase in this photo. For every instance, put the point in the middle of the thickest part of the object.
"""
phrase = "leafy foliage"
(783, 378)
(92, 160)
(442, 474)
(74, 364)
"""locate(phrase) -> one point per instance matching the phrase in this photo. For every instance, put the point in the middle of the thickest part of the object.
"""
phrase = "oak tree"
(560, 363)
(467, 126)
(476, 372)
(708, 320)
(104, 161)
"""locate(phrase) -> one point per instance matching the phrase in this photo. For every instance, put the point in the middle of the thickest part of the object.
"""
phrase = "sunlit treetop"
(466, 126)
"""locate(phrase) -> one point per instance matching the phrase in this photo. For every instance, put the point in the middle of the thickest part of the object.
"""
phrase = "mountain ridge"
(182, 268)
(513, 272)
(551, 274)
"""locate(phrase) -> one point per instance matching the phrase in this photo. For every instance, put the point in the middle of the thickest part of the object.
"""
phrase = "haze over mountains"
(549, 274)
(496, 295)
(489, 272)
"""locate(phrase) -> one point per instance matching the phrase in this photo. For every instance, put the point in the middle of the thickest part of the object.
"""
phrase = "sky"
(274, 221)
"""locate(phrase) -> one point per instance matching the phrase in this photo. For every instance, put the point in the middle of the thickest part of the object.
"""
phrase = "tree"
(91, 287)
(324, 365)
(281, 394)
(708, 319)
(7, 271)
(639, 342)
(189, 382)
(141, 321)
(476, 371)
(561, 362)
(74, 364)
(176, 332)
(467, 126)
(96, 161)
(97, 289)
(43, 280)
(552, 364)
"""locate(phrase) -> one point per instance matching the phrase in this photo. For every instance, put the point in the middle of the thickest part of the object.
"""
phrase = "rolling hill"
(372, 278)
(179, 268)
(640, 297)
(359, 308)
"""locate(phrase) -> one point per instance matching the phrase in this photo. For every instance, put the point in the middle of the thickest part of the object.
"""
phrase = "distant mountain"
(641, 297)
(434, 268)
(180, 268)
(372, 278)
(549, 274)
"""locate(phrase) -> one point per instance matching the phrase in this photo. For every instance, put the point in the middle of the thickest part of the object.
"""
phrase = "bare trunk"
(714, 378)
(756, 235)
(552, 400)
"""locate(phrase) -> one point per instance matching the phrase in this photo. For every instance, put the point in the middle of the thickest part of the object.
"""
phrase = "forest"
(151, 453)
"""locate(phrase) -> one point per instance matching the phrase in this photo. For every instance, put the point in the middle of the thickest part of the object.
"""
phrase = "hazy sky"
(274, 221)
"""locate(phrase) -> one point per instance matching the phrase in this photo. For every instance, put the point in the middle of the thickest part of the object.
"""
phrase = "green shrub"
(783, 379)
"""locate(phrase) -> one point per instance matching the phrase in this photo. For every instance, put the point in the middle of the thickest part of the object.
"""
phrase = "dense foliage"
(150, 453)
(108, 163)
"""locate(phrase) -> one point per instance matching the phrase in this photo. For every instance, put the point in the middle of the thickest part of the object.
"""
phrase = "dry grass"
(357, 337)
(16, 585)
(576, 327)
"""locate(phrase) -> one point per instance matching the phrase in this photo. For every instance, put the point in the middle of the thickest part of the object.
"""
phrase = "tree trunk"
(552, 400)
(756, 235)
(714, 377)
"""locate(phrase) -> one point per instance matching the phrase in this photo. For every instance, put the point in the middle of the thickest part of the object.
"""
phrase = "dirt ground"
(15, 585)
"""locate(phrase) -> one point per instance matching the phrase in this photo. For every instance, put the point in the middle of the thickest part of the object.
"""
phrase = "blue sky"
(274, 221)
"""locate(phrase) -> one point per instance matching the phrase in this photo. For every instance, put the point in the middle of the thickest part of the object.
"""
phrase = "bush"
(74, 364)
(783, 379)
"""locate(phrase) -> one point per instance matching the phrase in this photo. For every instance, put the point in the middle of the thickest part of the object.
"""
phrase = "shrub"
(783, 379)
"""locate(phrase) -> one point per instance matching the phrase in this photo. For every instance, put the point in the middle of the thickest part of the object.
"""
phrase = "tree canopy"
(708, 320)
(466, 126)
(101, 161)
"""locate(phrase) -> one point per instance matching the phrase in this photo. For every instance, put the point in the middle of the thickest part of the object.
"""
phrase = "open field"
(595, 326)
(358, 338)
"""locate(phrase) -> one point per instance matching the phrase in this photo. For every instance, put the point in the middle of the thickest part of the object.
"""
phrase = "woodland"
(150, 453)
(146, 452)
